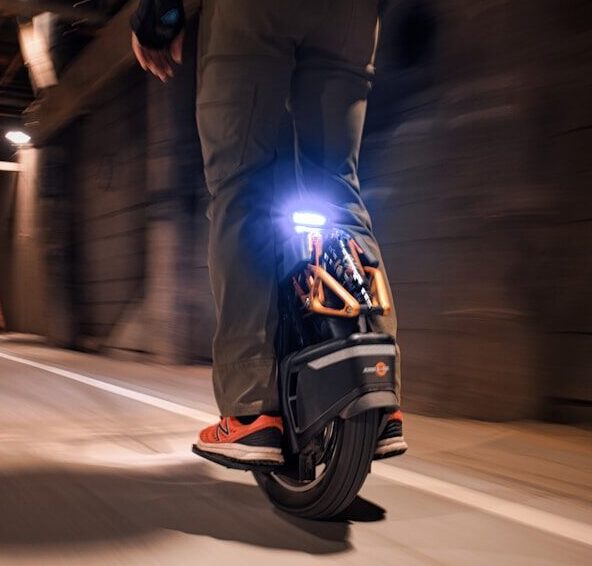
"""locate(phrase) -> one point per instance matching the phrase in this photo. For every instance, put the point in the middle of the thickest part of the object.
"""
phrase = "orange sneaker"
(236, 445)
(391, 441)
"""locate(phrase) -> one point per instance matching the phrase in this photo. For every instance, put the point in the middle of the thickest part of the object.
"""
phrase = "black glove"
(156, 23)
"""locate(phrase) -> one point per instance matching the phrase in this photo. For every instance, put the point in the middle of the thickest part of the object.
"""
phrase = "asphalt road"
(96, 468)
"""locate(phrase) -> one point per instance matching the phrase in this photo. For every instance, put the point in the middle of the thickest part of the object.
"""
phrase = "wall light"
(17, 137)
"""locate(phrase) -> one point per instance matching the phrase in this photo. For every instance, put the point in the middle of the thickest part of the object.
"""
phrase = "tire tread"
(348, 473)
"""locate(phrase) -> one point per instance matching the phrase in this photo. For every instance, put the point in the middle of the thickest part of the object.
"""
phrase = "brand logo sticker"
(380, 369)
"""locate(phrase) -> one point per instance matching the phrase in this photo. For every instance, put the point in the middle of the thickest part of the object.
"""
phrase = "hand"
(158, 62)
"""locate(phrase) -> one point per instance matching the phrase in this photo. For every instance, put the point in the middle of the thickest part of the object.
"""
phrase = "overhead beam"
(9, 166)
(34, 42)
(66, 11)
(103, 59)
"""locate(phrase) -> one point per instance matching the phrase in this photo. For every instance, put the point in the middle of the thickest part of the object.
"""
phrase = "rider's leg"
(244, 70)
(245, 63)
(328, 101)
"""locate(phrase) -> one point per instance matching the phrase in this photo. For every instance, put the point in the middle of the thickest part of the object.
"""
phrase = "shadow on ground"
(58, 507)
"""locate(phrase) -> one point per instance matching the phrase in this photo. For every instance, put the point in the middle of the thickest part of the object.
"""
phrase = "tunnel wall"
(110, 207)
(475, 167)
(140, 281)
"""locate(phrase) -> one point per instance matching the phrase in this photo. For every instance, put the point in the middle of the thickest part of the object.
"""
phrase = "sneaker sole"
(243, 452)
(264, 466)
(390, 447)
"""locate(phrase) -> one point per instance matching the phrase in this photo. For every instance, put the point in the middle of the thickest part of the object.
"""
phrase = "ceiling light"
(18, 138)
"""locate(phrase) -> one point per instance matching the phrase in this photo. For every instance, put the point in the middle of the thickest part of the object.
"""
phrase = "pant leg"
(331, 83)
(245, 64)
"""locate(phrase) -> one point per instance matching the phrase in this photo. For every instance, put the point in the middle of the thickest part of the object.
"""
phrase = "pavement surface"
(96, 468)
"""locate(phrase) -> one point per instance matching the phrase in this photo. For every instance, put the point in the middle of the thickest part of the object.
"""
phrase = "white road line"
(117, 390)
(523, 514)
(516, 512)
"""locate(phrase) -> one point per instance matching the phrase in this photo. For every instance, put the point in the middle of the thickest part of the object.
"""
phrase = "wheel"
(341, 466)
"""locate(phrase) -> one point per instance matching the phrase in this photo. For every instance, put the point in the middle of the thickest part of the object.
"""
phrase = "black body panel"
(319, 382)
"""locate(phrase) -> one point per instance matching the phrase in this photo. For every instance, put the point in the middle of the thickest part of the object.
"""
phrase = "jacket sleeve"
(156, 23)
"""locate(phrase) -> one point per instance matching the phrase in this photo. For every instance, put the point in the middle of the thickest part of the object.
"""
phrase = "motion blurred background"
(476, 167)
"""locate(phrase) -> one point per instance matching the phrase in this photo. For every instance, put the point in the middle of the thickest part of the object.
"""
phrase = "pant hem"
(250, 372)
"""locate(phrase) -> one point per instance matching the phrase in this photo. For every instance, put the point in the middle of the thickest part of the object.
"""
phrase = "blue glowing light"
(308, 219)
(307, 229)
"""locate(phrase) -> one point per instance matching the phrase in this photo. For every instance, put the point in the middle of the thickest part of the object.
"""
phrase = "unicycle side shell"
(340, 377)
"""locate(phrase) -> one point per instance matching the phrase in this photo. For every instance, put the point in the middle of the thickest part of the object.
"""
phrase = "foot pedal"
(233, 464)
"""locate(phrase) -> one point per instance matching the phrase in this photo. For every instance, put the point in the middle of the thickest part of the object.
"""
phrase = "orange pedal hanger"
(378, 289)
(351, 307)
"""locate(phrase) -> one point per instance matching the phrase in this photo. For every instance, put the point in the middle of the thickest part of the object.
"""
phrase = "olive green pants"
(255, 59)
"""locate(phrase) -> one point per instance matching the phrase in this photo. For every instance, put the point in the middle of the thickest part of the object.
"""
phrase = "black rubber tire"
(344, 476)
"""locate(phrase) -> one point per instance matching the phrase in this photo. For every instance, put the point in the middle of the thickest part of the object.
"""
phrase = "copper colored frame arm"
(351, 307)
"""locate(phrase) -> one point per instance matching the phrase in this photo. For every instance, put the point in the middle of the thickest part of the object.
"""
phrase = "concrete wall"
(22, 274)
(139, 221)
(177, 300)
(476, 165)
(110, 207)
